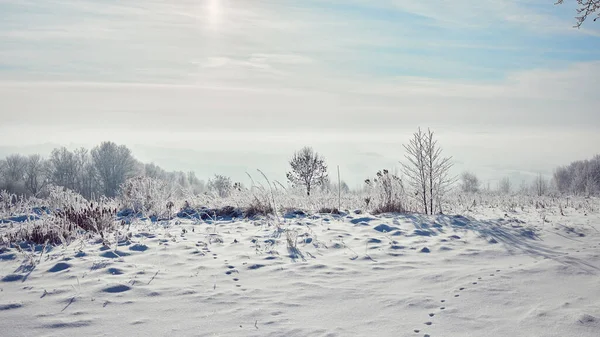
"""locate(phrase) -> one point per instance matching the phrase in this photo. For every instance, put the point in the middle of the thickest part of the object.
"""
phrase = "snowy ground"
(483, 274)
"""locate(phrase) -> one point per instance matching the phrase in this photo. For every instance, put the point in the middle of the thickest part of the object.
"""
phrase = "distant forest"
(100, 171)
(103, 171)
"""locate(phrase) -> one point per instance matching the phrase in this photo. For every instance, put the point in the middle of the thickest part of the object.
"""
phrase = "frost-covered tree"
(2, 172)
(35, 174)
(90, 187)
(343, 187)
(63, 168)
(13, 172)
(86, 178)
(579, 177)
(15, 167)
(220, 185)
(504, 186)
(469, 182)
(114, 165)
(154, 171)
(308, 169)
(427, 171)
(540, 185)
(196, 185)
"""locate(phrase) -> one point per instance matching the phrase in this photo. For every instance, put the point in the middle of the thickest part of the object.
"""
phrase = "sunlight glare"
(213, 10)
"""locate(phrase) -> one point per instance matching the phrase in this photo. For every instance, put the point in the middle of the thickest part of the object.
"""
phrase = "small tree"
(220, 185)
(308, 169)
(469, 182)
(504, 186)
(427, 171)
(540, 185)
(196, 185)
(344, 188)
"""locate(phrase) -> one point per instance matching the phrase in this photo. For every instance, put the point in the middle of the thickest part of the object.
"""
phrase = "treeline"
(581, 177)
(104, 169)
(92, 173)
(540, 185)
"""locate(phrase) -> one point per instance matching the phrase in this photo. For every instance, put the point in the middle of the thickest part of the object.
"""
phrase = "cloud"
(267, 76)
(536, 98)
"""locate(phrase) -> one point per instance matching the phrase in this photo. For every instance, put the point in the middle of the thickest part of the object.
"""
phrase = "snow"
(483, 273)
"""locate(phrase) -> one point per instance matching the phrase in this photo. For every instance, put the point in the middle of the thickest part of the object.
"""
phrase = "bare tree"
(90, 185)
(62, 167)
(585, 9)
(580, 177)
(343, 187)
(2, 171)
(415, 169)
(428, 172)
(504, 186)
(540, 185)
(308, 169)
(14, 173)
(86, 175)
(82, 157)
(195, 185)
(35, 174)
(15, 167)
(469, 182)
(114, 165)
(154, 171)
(182, 180)
(221, 185)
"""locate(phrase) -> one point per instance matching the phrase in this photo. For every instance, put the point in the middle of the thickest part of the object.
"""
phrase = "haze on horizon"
(224, 86)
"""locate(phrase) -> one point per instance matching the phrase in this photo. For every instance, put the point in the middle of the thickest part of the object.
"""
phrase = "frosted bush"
(148, 196)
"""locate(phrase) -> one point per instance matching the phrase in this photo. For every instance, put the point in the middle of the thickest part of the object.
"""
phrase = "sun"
(214, 12)
(213, 7)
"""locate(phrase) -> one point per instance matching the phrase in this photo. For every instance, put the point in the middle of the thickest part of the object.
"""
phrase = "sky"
(232, 86)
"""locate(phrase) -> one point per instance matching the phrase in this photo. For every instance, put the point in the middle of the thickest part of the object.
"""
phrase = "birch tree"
(427, 170)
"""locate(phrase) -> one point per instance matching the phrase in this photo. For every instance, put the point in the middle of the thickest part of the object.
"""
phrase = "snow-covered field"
(484, 273)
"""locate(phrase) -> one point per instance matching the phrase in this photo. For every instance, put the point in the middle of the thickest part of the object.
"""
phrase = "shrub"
(469, 182)
(221, 186)
(205, 213)
(62, 197)
(387, 193)
(329, 210)
(258, 207)
(392, 207)
(51, 230)
(92, 218)
(148, 196)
